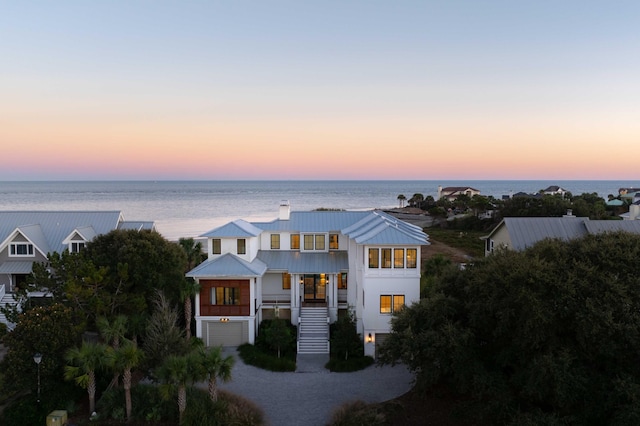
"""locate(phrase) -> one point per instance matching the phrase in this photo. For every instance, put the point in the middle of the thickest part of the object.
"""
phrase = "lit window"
(286, 281)
(390, 304)
(412, 257)
(217, 246)
(373, 258)
(385, 304)
(242, 246)
(342, 280)
(295, 241)
(319, 242)
(333, 242)
(21, 249)
(398, 258)
(308, 242)
(225, 296)
(386, 258)
(275, 241)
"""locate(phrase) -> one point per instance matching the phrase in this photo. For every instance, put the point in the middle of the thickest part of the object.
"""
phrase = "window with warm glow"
(373, 257)
(390, 304)
(275, 241)
(320, 242)
(286, 281)
(385, 304)
(398, 258)
(386, 258)
(333, 242)
(308, 242)
(295, 241)
(342, 280)
(412, 258)
(225, 296)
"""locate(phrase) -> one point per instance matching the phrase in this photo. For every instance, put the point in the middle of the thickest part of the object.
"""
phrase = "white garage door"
(232, 333)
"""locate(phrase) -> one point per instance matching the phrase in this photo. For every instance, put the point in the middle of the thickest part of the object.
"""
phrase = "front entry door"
(315, 287)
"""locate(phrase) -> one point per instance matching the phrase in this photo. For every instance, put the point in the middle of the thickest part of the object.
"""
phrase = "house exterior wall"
(499, 238)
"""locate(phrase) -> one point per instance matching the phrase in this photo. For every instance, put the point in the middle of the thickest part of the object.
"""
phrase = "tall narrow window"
(275, 241)
(333, 242)
(242, 246)
(374, 258)
(385, 304)
(398, 302)
(295, 241)
(342, 280)
(286, 281)
(216, 246)
(412, 258)
(398, 258)
(386, 258)
(320, 242)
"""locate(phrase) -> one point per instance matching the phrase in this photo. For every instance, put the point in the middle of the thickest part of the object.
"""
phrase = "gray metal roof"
(296, 262)
(236, 229)
(16, 267)
(133, 225)
(526, 231)
(365, 227)
(48, 229)
(228, 265)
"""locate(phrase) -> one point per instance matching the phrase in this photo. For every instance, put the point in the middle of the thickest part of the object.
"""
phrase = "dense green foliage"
(258, 357)
(550, 335)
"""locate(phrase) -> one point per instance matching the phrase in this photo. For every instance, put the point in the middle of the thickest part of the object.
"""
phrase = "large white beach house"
(308, 267)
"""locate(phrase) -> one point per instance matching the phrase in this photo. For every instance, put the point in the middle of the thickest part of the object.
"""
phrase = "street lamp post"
(37, 358)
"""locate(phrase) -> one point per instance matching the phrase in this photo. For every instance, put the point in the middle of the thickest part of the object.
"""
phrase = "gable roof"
(237, 229)
(228, 265)
(526, 231)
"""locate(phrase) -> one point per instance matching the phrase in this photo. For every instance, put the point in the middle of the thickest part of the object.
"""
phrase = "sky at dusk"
(446, 89)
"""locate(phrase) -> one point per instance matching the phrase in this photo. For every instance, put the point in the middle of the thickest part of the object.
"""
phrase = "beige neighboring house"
(555, 190)
(27, 237)
(519, 233)
(452, 192)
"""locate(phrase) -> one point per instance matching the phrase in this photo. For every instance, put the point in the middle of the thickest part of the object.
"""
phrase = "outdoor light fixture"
(224, 319)
(37, 358)
(369, 338)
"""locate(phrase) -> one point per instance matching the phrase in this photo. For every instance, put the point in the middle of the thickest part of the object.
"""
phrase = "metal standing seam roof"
(228, 265)
(600, 226)
(296, 262)
(16, 267)
(314, 221)
(526, 231)
(237, 228)
(133, 225)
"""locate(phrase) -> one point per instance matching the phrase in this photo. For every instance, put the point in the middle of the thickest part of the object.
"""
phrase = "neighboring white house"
(452, 192)
(308, 267)
(27, 237)
(555, 190)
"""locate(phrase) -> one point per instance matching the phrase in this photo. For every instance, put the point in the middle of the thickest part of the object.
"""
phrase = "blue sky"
(548, 88)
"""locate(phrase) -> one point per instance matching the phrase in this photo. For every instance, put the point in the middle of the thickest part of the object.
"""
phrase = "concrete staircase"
(314, 331)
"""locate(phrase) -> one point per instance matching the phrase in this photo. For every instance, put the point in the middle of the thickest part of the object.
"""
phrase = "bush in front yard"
(253, 355)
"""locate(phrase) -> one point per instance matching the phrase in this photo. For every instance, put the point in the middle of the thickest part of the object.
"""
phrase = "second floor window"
(295, 241)
(333, 242)
(225, 296)
(275, 241)
(21, 249)
(216, 246)
(75, 247)
(242, 246)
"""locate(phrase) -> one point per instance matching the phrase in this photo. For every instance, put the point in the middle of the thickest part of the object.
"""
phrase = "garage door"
(232, 333)
(380, 338)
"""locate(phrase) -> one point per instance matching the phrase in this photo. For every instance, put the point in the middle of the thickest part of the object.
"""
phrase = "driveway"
(309, 396)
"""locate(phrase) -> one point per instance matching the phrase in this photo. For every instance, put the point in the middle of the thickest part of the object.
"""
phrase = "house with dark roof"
(27, 237)
(452, 192)
(554, 190)
(307, 267)
(519, 233)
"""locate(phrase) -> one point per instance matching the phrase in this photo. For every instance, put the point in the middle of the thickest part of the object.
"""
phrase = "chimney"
(569, 213)
(634, 212)
(439, 191)
(285, 210)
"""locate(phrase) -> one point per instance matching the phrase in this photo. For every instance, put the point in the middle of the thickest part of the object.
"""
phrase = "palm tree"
(178, 372)
(401, 200)
(83, 363)
(190, 288)
(215, 367)
(417, 199)
(112, 332)
(124, 359)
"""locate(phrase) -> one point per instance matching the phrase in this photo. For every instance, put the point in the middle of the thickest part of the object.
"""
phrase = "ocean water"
(191, 208)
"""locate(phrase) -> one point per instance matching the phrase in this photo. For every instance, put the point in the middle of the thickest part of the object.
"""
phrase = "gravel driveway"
(308, 396)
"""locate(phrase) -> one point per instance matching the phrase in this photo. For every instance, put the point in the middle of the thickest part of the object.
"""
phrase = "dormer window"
(21, 249)
(76, 246)
(242, 246)
(315, 242)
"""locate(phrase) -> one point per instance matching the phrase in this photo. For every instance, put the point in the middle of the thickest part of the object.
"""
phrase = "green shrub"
(288, 350)
(27, 411)
(146, 401)
(356, 413)
(253, 355)
(339, 365)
